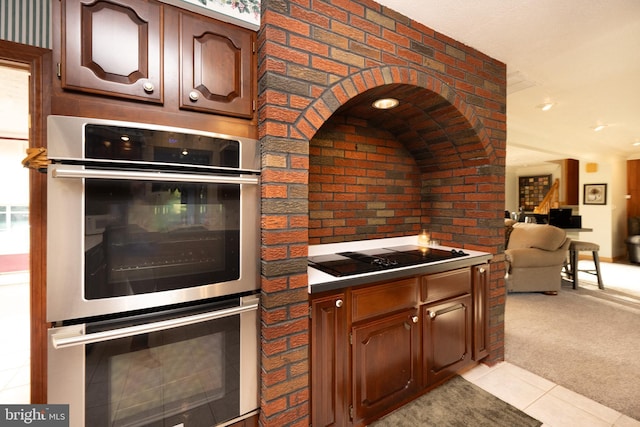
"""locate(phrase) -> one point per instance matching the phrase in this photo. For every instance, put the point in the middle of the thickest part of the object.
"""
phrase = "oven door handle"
(63, 340)
(153, 176)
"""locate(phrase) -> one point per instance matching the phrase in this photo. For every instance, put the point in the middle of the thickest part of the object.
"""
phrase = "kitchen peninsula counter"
(320, 281)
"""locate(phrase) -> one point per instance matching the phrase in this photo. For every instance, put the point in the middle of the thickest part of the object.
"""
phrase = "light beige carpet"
(586, 340)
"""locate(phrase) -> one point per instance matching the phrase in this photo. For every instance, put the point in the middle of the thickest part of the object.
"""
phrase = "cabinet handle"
(339, 303)
(148, 87)
(433, 314)
(194, 96)
(482, 270)
(414, 319)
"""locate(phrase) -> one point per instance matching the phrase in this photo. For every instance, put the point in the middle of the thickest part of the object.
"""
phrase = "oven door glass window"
(143, 236)
(188, 375)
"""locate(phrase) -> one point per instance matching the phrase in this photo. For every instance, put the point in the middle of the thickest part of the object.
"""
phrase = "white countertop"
(317, 277)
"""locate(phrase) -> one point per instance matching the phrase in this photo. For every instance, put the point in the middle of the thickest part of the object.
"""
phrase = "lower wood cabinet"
(446, 338)
(375, 347)
(385, 363)
(329, 357)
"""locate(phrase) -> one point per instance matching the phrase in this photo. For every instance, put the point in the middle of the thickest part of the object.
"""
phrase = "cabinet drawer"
(435, 287)
(382, 299)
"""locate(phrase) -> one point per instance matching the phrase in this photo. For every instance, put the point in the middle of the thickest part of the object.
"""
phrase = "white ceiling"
(583, 55)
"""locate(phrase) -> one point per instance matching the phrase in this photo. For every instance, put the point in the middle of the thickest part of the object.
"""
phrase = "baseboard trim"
(603, 259)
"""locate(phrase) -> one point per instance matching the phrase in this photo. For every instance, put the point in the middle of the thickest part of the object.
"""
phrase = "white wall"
(608, 221)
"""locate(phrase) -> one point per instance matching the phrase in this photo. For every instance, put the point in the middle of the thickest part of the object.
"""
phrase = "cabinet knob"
(414, 319)
(482, 270)
(339, 303)
(432, 314)
(148, 87)
(194, 96)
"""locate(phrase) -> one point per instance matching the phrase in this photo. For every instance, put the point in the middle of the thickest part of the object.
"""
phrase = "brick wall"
(363, 184)
(314, 57)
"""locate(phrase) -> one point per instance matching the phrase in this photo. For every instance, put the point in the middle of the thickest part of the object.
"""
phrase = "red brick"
(274, 285)
(283, 237)
(280, 176)
(273, 347)
(286, 23)
(274, 316)
(274, 407)
(274, 191)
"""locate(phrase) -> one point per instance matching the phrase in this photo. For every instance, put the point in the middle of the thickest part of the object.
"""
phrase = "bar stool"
(577, 246)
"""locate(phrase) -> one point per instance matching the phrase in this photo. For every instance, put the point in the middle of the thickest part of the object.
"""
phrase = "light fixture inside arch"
(385, 103)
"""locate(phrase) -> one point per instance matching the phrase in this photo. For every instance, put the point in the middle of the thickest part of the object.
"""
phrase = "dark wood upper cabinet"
(113, 48)
(178, 61)
(216, 61)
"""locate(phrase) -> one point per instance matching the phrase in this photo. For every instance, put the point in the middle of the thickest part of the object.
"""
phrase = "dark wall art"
(595, 194)
(531, 190)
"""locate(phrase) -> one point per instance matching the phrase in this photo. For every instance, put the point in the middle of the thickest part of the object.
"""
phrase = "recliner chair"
(633, 240)
(535, 257)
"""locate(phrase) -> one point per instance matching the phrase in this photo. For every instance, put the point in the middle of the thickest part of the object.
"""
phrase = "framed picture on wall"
(595, 194)
(531, 190)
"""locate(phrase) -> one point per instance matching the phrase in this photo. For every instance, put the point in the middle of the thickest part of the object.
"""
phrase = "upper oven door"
(126, 240)
(142, 216)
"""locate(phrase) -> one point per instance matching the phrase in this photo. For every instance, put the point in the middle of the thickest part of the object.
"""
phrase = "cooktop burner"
(350, 263)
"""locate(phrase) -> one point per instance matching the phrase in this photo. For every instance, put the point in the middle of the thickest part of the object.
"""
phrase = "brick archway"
(455, 119)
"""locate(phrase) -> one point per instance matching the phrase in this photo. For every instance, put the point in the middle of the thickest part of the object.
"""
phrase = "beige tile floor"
(552, 404)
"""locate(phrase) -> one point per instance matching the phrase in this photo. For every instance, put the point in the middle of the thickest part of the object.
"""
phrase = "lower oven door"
(131, 240)
(177, 369)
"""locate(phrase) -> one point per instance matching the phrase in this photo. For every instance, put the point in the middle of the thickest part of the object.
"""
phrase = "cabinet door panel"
(480, 312)
(328, 361)
(385, 363)
(113, 49)
(447, 337)
(217, 67)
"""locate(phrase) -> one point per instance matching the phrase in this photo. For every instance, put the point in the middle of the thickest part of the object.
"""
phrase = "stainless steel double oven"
(152, 274)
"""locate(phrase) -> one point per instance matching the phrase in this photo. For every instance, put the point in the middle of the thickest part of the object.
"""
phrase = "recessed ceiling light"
(598, 128)
(636, 144)
(385, 103)
(546, 106)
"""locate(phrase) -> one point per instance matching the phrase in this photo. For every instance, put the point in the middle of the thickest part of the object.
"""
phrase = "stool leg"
(574, 268)
(596, 261)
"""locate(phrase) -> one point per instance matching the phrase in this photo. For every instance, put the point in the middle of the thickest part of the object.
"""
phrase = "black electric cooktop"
(350, 263)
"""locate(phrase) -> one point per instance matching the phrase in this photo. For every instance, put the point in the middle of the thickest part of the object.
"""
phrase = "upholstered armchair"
(535, 256)
(633, 240)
